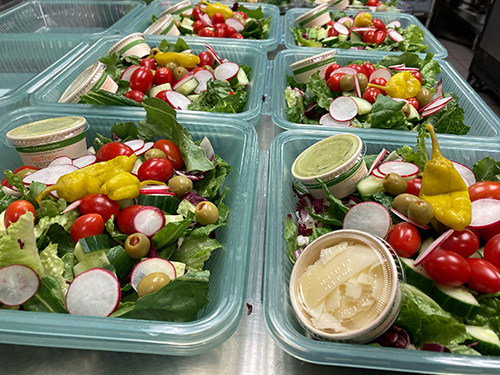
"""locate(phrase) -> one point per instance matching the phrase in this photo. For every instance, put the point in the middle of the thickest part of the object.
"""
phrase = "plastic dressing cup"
(131, 45)
(304, 69)
(315, 17)
(163, 26)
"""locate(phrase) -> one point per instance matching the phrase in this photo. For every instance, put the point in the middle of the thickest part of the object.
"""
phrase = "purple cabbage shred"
(21, 243)
(196, 176)
(395, 337)
(194, 197)
(433, 347)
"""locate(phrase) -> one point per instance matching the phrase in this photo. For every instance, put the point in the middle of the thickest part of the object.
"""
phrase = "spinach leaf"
(387, 114)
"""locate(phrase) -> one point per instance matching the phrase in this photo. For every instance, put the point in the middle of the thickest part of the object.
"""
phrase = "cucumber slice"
(188, 87)
(165, 203)
(343, 37)
(364, 106)
(185, 29)
(479, 253)
(93, 243)
(417, 276)
(414, 116)
(193, 98)
(425, 244)
(356, 37)
(370, 185)
(330, 41)
(187, 22)
(120, 260)
(457, 301)
(95, 259)
(489, 343)
(157, 89)
(241, 79)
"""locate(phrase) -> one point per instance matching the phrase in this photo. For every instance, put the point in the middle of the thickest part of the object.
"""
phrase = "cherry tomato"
(148, 63)
(86, 226)
(380, 36)
(197, 13)
(404, 238)
(162, 95)
(332, 32)
(218, 18)
(381, 82)
(206, 32)
(237, 36)
(372, 3)
(369, 69)
(220, 33)
(369, 36)
(230, 31)
(331, 23)
(220, 26)
(22, 172)
(111, 150)
(15, 210)
(358, 68)
(99, 204)
(489, 232)
(371, 94)
(484, 276)
(414, 103)
(492, 251)
(484, 189)
(417, 75)
(464, 243)
(413, 186)
(135, 95)
(164, 75)
(141, 79)
(242, 14)
(198, 26)
(334, 82)
(379, 24)
(158, 169)
(330, 70)
(6, 183)
(124, 220)
(206, 58)
(447, 267)
(172, 152)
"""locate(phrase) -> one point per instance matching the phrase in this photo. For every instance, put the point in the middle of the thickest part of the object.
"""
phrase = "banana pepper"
(111, 177)
(401, 85)
(211, 9)
(445, 190)
(187, 60)
(362, 20)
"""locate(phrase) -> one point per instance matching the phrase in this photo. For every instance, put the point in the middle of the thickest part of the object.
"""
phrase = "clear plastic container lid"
(178, 8)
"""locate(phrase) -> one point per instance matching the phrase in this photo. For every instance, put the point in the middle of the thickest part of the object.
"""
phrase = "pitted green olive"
(348, 23)
(402, 201)
(172, 66)
(406, 109)
(154, 51)
(362, 81)
(180, 185)
(206, 213)
(347, 82)
(394, 184)
(179, 72)
(424, 96)
(151, 283)
(137, 245)
(420, 212)
(154, 153)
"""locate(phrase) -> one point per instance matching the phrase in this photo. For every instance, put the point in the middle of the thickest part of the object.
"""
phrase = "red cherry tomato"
(172, 152)
(148, 63)
(405, 239)
(162, 95)
(380, 25)
(237, 36)
(489, 232)
(124, 220)
(369, 36)
(220, 26)
(484, 276)
(334, 82)
(142, 79)
(332, 32)
(371, 94)
(218, 18)
(413, 186)
(6, 183)
(242, 14)
(15, 210)
(206, 58)
(464, 243)
(99, 204)
(86, 226)
(220, 33)
(206, 32)
(111, 150)
(372, 3)
(164, 75)
(358, 68)
(158, 169)
(197, 13)
(492, 251)
(414, 103)
(484, 189)
(381, 82)
(380, 36)
(417, 75)
(135, 95)
(447, 267)
(197, 26)
(230, 31)
(369, 69)
(330, 70)
(22, 172)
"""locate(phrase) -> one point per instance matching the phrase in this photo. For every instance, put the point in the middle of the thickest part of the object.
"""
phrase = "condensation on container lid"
(123, 42)
(46, 131)
(83, 83)
(177, 8)
(164, 23)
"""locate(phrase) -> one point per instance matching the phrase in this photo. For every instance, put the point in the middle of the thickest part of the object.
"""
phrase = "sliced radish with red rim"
(346, 70)
(343, 109)
(226, 71)
(393, 24)
(72, 206)
(234, 23)
(402, 168)
(83, 161)
(394, 35)
(399, 66)
(127, 73)
(433, 246)
(403, 217)
(357, 89)
(148, 220)
(188, 77)
(61, 160)
(377, 160)
(369, 217)
(135, 144)
(377, 174)
(49, 175)
(151, 265)
(341, 29)
(15, 193)
(202, 76)
(177, 100)
(154, 189)
(485, 213)
(212, 51)
(205, 20)
(381, 73)
(343, 19)
(363, 29)
(327, 120)
(206, 145)
(143, 149)
(466, 173)
(18, 284)
(439, 90)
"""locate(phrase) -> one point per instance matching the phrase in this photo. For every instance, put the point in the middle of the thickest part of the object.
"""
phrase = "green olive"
(394, 184)
(137, 245)
(154, 153)
(209, 68)
(154, 51)
(179, 72)
(381, 8)
(180, 185)
(206, 213)
(348, 23)
(240, 18)
(362, 81)
(406, 109)
(424, 96)
(347, 82)
(420, 212)
(402, 201)
(24, 172)
(172, 66)
(151, 283)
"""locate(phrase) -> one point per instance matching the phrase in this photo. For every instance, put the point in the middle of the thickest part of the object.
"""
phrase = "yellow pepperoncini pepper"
(122, 186)
(445, 190)
(363, 20)
(187, 60)
(211, 9)
(401, 85)
(90, 180)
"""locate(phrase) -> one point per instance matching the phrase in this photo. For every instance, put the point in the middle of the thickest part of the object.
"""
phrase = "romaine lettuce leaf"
(301, 41)
(54, 267)
(418, 157)
(46, 298)
(291, 239)
(194, 251)
(487, 169)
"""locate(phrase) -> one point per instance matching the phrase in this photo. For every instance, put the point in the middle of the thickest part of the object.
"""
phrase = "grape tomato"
(484, 276)
(99, 204)
(492, 251)
(17, 209)
(447, 267)
(172, 152)
(142, 79)
(404, 239)
(86, 226)
(464, 243)
(158, 169)
(111, 150)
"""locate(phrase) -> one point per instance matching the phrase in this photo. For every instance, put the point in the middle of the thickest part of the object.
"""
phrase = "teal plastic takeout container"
(279, 316)
(479, 117)
(143, 21)
(24, 57)
(435, 47)
(236, 143)
(49, 94)
(90, 18)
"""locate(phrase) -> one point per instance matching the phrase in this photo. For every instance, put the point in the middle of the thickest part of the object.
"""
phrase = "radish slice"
(393, 24)
(151, 265)
(433, 246)
(401, 216)
(343, 108)
(341, 29)
(135, 144)
(202, 76)
(127, 73)
(49, 175)
(432, 110)
(212, 51)
(394, 35)
(343, 19)
(15, 193)
(440, 102)
(234, 23)
(90, 151)
(400, 100)
(381, 73)
(439, 90)
(377, 174)
(369, 217)
(466, 173)
(377, 160)
(95, 292)
(428, 105)
(19, 284)
(143, 149)
(177, 100)
(402, 168)
(206, 21)
(188, 77)
(346, 70)
(148, 220)
(72, 206)
(485, 213)
(154, 189)
(399, 66)
(83, 161)
(362, 29)
(209, 150)
(327, 120)
(61, 160)
(357, 89)
(226, 71)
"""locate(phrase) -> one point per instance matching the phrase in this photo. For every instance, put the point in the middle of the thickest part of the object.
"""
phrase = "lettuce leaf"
(450, 119)
(211, 183)
(46, 298)
(320, 88)
(65, 220)
(291, 239)
(488, 315)
(54, 267)
(487, 169)
(194, 251)
(387, 114)
(301, 41)
(418, 157)
(179, 46)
